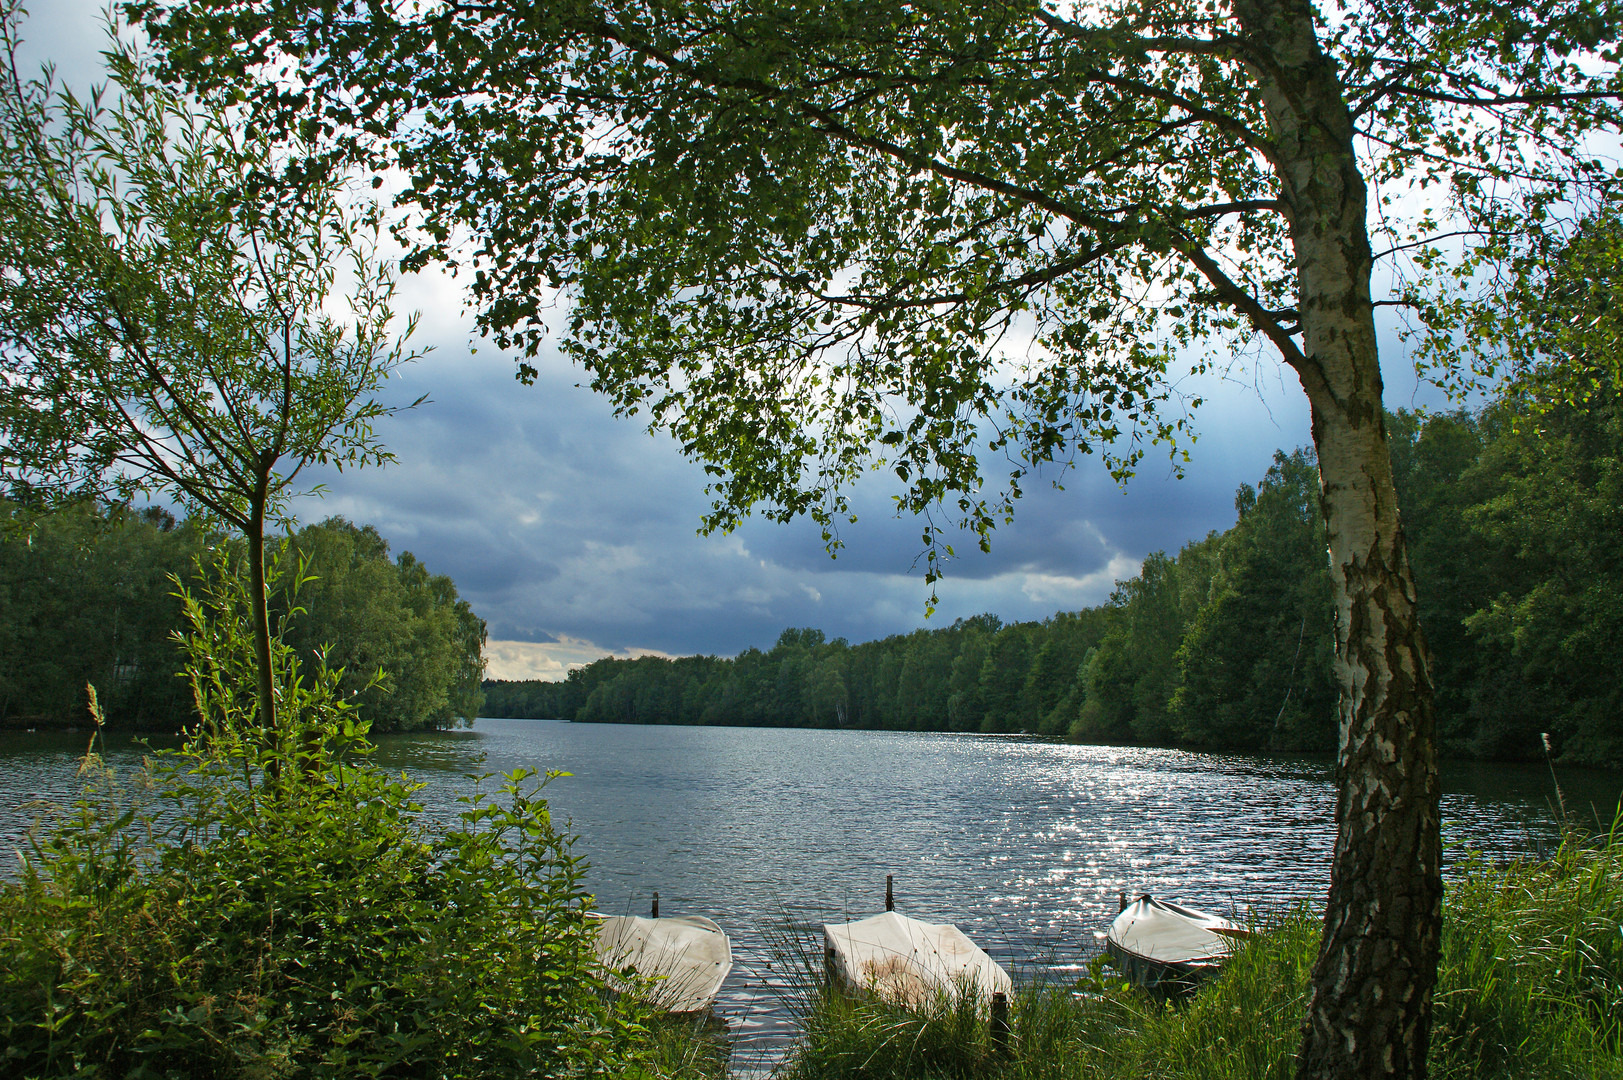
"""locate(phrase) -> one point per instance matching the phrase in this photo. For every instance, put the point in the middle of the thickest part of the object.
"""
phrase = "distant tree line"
(87, 596)
(1515, 515)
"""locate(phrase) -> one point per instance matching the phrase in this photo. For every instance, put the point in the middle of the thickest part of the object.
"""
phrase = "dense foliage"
(1514, 520)
(1531, 984)
(277, 906)
(372, 614)
(87, 595)
(976, 675)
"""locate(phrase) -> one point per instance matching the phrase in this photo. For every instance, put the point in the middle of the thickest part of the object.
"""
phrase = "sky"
(575, 534)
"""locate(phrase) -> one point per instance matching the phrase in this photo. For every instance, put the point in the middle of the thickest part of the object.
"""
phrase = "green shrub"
(269, 903)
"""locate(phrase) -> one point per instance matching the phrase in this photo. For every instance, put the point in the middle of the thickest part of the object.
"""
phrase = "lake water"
(1023, 843)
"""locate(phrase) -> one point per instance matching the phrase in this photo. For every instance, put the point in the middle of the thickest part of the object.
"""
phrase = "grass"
(1530, 985)
(686, 1048)
(1532, 968)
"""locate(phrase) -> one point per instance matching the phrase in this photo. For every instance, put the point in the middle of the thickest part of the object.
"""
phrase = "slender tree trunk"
(260, 613)
(1370, 1012)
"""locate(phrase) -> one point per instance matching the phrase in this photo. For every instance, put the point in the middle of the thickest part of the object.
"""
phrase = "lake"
(1023, 843)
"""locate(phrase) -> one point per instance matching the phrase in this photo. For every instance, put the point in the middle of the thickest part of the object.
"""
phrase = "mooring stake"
(890, 897)
(656, 903)
(1000, 1023)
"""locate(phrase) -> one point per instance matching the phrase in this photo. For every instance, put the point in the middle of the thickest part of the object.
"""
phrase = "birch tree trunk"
(1370, 1012)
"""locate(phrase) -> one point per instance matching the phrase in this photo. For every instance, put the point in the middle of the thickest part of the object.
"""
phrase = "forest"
(88, 595)
(1513, 514)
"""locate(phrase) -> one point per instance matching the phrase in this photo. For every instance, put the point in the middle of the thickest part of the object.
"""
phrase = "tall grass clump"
(860, 1038)
(1532, 972)
(1530, 985)
(269, 903)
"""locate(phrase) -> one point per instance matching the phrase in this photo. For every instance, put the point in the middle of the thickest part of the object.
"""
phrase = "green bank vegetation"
(87, 595)
(264, 904)
(1530, 984)
(1513, 517)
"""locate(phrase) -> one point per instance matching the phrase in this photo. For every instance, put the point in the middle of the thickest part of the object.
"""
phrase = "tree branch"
(1242, 301)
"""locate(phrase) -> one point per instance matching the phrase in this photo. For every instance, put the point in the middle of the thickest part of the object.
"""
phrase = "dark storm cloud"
(562, 524)
(556, 519)
(1077, 529)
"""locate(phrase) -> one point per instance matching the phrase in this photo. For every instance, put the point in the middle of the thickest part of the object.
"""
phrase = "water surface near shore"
(1023, 843)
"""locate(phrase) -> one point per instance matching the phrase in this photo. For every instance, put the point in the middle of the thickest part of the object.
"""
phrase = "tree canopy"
(879, 227)
(88, 594)
(368, 613)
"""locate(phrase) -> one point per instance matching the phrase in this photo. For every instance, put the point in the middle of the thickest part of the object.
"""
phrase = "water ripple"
(1023, 843)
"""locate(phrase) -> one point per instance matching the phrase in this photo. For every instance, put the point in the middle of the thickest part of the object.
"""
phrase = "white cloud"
(549, 661)
(1066, 593)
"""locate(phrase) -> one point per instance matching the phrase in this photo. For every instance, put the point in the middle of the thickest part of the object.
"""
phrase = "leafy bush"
(269, 903)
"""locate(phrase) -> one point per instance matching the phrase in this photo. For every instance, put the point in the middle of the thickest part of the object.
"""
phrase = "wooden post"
(999, 1028)
(1122, 897)
(890, 897)
(656, 903)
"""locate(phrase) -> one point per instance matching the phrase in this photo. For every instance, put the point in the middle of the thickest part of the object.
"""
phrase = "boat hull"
(677, 964)
(1168, 948)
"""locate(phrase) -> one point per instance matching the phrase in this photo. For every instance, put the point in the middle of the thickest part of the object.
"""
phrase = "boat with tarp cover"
(678, 962)
(910, 962)
(1167, 947)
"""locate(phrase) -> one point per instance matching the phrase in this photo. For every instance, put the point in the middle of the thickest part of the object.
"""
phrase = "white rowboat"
(679, 962)
(910, 962)
(1164, 946)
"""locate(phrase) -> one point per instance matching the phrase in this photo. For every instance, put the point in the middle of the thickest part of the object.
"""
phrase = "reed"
(1532, 973)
